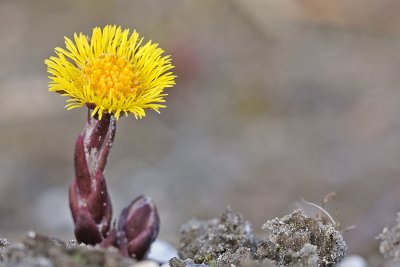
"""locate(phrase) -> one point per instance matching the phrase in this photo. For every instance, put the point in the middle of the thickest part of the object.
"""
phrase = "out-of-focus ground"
(275, 100)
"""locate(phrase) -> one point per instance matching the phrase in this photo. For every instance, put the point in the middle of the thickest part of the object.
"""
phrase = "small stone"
(145, 263)
(175, 262)
(72, 244)
(161, 251)
(4, 242)
(353, 261)
(31, 234)
(42, 262)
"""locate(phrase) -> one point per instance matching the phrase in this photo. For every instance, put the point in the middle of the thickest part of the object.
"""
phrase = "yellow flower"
(112, 72)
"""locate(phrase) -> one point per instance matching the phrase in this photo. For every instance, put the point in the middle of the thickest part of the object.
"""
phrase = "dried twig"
(321, 209)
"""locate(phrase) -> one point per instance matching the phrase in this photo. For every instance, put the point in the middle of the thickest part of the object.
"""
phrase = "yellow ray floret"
(111, 71)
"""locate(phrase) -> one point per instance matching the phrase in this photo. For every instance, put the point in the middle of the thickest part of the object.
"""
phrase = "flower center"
(112, 76)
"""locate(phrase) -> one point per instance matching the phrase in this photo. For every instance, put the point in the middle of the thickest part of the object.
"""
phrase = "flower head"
(112, 72)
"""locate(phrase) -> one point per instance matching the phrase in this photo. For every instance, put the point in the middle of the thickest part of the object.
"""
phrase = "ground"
(295, 240)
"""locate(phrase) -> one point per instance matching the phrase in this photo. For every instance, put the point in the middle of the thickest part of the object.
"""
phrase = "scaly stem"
(89, 200)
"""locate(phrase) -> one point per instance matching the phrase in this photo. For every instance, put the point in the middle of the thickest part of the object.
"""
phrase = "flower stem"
(89, 200)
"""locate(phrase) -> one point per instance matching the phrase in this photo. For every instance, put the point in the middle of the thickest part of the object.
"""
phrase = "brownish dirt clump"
(390, 245)
(299, 240)
(40, 250)
(294, 240)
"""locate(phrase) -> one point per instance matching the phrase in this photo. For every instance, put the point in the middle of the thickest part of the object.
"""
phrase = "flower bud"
(138, 227)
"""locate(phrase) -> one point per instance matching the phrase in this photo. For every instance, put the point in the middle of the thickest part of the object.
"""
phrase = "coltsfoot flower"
(112, 72)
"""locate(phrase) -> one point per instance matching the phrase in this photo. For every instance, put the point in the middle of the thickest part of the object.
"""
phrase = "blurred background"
(275, 100)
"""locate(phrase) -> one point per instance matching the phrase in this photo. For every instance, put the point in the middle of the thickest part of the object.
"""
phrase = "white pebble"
(145, 264)
(161, 251)
(31, 234)
(353, 261)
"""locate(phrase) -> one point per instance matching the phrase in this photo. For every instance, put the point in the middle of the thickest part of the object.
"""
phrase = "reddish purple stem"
(90, 203)
(89, 200)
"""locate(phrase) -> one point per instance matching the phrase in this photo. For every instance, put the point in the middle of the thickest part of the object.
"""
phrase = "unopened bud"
(138, 227)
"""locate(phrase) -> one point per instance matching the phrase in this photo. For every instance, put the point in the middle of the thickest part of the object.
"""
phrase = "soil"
(42, 251)
(207, 241)
(299, 240)
(390, 245)
(294, 240)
